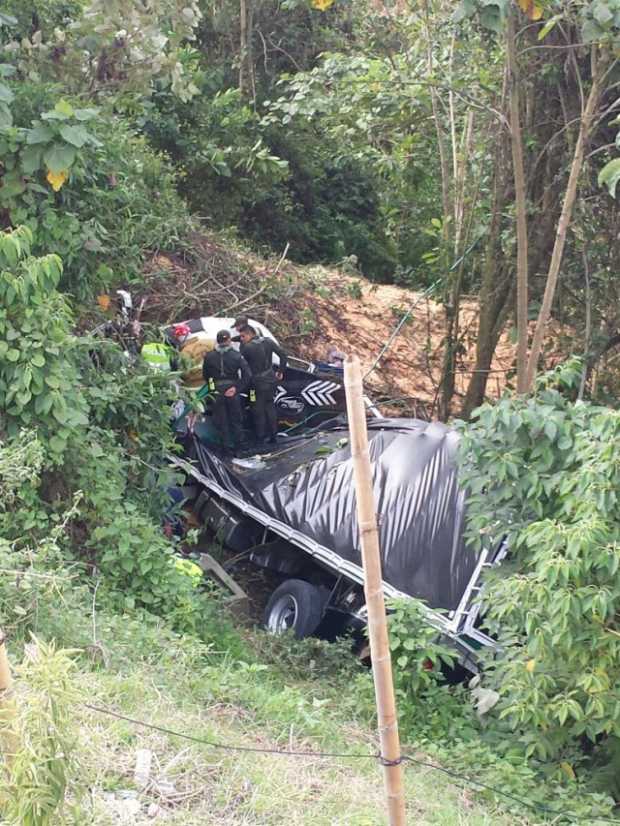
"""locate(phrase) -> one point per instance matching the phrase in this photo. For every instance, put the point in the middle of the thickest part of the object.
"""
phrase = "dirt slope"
(410, 369)
(310, 308)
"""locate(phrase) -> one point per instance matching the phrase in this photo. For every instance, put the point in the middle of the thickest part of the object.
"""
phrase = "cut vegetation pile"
(312, 307)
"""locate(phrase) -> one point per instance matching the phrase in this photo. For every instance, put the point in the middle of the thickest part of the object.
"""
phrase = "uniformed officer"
(227, 375)
(259, 352)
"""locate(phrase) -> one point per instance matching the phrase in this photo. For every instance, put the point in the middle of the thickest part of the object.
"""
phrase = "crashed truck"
(311, 392)
(292, 511)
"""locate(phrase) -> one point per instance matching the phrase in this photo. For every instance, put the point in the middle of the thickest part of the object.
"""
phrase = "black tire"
(296, 605)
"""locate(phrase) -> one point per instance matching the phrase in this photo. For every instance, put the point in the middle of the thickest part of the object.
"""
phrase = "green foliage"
(105, 47)
(31, 16)
(55, 139)
(39, 382)
(6, 96)
(53, 144)
(610, 175)
(21, 459)
(90, 190)
(35, 781)
(544, 471)
(219, 149)
(137, 560)
(310, 657)
(356, 114)
(418, 656)
(42, 377)
(416, 647)
(276, 183)
(599, 20)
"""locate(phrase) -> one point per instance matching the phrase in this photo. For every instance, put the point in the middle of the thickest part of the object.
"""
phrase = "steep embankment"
(310, 308)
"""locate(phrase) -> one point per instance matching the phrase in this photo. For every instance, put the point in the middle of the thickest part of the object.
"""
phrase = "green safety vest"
(157, 355)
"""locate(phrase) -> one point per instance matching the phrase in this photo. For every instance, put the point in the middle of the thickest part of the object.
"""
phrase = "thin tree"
(516, 141)
(585, 127)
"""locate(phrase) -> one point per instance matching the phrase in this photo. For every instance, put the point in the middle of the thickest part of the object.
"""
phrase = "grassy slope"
(177, 683)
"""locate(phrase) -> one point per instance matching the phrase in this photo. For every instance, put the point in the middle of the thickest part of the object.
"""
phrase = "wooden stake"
(375, 603)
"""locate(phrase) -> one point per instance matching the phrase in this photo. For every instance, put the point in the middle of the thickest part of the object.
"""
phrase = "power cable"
(428, 291)
(463, 779)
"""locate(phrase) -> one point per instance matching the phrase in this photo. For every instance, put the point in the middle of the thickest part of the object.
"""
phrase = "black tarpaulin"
(308, 485)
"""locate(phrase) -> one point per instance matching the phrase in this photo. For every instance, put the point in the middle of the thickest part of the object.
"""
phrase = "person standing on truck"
(259, 352)
(241, 321)
(164, 355)
(227, 375)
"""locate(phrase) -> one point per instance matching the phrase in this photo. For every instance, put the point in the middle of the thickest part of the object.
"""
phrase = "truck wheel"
(297, 605)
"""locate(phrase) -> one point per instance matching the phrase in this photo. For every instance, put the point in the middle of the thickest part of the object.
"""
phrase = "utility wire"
(428, 291)
(405, 758)
(225, 746)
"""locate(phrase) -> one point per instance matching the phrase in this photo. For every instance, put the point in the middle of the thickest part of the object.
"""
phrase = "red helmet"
(181, 330)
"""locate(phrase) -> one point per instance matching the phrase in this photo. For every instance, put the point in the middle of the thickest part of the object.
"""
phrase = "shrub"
(89, 188)
(36, 779)
(39, 381)
(544, 471)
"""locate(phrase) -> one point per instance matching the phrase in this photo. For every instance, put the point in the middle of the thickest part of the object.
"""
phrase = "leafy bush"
(277, 185)
(35, 781)
(89, 188)
(137, 560)
(223, 161)
(545, 472)
(418, 656)
(109, 430)
(39, 382)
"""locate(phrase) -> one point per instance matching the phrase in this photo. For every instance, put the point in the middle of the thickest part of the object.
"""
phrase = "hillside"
(312, 307)
(313, 164)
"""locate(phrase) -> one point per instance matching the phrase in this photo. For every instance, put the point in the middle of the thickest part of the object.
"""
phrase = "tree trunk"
(516, 142)
(563, 224)
(494, 309)
(497, 287)
(244, 74)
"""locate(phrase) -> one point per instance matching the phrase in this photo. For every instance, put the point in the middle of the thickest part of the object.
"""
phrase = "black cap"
(222, 336)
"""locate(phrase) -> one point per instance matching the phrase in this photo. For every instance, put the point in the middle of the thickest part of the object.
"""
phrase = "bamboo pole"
(375, 603)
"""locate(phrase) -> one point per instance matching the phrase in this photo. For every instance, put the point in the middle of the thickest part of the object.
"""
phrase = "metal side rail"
(320, 552)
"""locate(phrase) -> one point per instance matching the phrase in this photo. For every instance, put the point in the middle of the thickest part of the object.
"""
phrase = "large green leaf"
(610, 175)
(62, 111)
(39, 134)
(602, 14)
(75, 135)
(31, 158)
(6, 118)
(85, 114)
(59, 157)
(591, 31)
(465, 9)
(6, 95)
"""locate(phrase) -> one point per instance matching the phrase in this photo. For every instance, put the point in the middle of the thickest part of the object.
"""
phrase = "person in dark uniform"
(240, 321)
(258, 352)
(227, 375)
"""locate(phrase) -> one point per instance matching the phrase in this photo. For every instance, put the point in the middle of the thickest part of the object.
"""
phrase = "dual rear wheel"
(296, 605)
